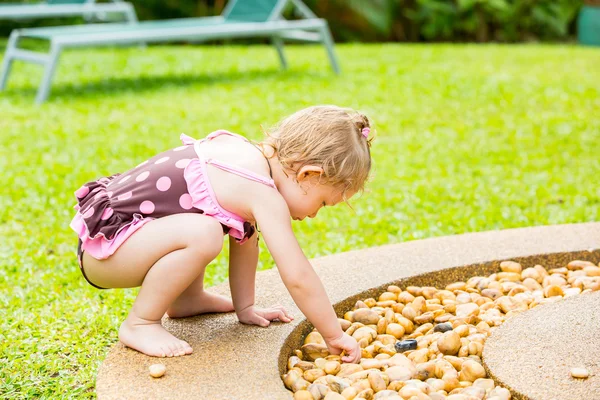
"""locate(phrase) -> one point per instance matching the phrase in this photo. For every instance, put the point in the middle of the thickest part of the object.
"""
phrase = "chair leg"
(8, 59)
(328, 42)
(44, 89)
(278, 42)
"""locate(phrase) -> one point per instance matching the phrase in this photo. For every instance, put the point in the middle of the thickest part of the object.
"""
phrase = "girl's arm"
(272, 215)
(243, 260)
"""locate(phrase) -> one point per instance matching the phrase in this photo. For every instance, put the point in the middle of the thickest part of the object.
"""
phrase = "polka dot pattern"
(180, 148)
(143, 176)
(125, 179)
(147, 207)
(185, 201)
(182, 163)
(108, 212)
(125, 196)
(82, 192)
(162, 160)
(163, 184)
(89, 212)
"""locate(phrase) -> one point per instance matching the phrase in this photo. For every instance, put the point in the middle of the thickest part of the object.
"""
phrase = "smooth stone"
(406, 345)
(581, 373)
(444, 327)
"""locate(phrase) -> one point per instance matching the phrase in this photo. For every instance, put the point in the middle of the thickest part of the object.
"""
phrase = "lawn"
(470, 138)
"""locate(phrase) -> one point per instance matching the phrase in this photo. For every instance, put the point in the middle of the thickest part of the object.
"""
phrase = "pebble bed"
(425, 343)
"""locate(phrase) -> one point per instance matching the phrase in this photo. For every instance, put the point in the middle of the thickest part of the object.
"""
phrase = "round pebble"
(445, 327)
(157, 370)
(406, 345)
(581, 373)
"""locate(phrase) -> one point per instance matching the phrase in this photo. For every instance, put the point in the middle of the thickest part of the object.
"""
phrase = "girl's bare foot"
(150, 338)
(199, 303)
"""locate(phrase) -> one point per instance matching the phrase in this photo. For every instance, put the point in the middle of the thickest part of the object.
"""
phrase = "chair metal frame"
(309, 29)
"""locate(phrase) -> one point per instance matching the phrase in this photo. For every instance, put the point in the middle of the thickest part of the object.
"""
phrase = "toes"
(187, 349)
(180, 351)
(166, 351)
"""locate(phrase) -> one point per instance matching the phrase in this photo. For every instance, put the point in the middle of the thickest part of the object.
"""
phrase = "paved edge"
(543, 345)
(235, 361)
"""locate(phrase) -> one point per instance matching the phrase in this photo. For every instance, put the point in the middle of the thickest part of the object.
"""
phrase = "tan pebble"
(303, 395)
(581, 373)
(314, 337)
(467, 310)
(449, 343)
(348, 369)
(553, 290)
(312, 351)
(394, 289)
(332, 367)
(471, 371)
(370, 302)
(415, 290)
(579, 264)
(300, 384)
(499, 393)
(344, 324)
(474, 391)
(424, 318)
(396, 330)
(399, 373)
(484, 383)
(334, 396)
(592, 271)
(531, 273)
(386, 296)
(292, 361)
(456, 397)
(318, 391)
(366, 394)
(456, 286)
(366, 316)
(436, 396)
(312, 374)
(510, 266)
(365, 333)
(349, 393)
(157, 370)
(385, 394)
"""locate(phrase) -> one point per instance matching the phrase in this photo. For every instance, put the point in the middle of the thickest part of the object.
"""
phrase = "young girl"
(161, 223)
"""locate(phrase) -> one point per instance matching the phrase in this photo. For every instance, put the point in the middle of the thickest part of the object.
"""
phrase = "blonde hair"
(327, 136)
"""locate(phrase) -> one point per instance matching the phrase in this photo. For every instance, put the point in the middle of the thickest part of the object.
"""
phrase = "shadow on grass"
(143, 84)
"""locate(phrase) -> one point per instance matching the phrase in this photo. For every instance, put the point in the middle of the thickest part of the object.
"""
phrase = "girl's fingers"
(262, 321)
(286, 313)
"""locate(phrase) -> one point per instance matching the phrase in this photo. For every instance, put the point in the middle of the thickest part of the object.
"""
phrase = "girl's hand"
(263, 316)
(347, 344)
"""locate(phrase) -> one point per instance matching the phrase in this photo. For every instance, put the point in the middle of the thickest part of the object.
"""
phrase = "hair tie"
(365, 132)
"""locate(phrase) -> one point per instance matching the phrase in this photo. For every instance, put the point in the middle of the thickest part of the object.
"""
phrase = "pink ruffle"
(99, 246)
(203, 198)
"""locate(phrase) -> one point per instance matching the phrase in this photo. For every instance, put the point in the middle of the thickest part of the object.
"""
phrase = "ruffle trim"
(99, 246)
(203, 198)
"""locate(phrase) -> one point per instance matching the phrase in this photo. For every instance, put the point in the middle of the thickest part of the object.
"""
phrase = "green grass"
(470, 138)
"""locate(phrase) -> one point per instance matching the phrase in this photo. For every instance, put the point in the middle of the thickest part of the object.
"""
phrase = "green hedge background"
(399, 20)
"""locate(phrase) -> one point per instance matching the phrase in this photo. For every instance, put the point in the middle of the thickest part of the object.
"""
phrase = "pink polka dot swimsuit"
(111, 209)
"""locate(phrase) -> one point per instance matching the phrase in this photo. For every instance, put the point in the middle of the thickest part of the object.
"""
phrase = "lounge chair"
(240, 18)
(66, 8)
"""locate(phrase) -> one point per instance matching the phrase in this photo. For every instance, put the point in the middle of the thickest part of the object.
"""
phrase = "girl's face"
(305, 196)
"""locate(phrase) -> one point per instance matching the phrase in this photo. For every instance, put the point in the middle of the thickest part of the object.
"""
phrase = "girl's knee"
(204, 235)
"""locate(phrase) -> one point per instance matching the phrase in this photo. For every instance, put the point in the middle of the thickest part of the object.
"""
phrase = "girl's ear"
(308, 171)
